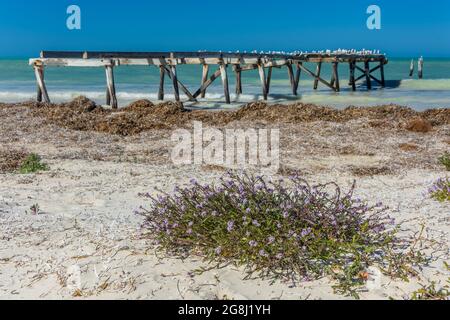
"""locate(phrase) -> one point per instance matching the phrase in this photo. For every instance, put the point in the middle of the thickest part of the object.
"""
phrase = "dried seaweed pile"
(84, 115)
(11, 160)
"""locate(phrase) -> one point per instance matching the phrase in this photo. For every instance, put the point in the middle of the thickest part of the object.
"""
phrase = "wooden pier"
(220, 62)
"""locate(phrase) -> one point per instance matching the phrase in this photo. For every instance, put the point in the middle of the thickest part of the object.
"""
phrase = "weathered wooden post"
(291, 77)
(367, 74)
(111, 93)
(162, 74)
(41, 87)
(238, 72)
(411, 68)
(383, 81)
(262, 77)
(173, 75)
(318, 71)
(420, 68)
(268, 80)
(224, 73)
(335, 77)
(297, 76)
(205, 73)
(352, 65)
(176, 90)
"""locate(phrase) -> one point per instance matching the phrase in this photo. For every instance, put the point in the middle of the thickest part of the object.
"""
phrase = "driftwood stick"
(42, 89)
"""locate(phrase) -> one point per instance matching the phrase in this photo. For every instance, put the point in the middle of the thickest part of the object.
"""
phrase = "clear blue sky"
(409, 28)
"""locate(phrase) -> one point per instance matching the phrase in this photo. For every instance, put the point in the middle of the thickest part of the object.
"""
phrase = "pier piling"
(238, 73)
(317, 78)
(205, 74)
(297, 75)
(420, 68)
(292, 78)
(411, 68)
(383, 81)
(262, 76)
(352, 75)
(335, 77)
(224, 74)
(111, 93)
(42, 89)
(162, 74)
(269, 79)
(367, 73)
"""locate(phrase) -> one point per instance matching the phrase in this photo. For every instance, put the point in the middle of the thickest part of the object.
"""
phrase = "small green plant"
(440, 190)
(33, 164)
(445, 160)
(287, 230)
(431, 292)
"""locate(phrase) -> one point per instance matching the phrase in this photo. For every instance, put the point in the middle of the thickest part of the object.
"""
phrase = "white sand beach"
(87, 229)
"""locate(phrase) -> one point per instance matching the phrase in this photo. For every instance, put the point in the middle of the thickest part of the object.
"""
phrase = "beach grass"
(432, 291)
(445, 160)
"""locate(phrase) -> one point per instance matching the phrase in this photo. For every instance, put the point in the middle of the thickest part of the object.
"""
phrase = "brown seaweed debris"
(11, 160)
(83, 114)
(370, 171)
(419, 124)
(408, 147)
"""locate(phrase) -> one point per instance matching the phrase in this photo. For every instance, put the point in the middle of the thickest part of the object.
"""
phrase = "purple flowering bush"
(281, 230)
(440, 190)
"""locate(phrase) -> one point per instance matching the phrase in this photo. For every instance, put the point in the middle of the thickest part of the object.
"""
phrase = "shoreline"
(420, 95)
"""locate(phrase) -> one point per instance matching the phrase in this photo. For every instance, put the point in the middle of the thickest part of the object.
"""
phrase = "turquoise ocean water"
(17, 83)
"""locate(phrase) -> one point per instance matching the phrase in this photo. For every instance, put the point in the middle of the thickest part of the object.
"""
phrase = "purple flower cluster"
(263, 224)
(440, 190)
